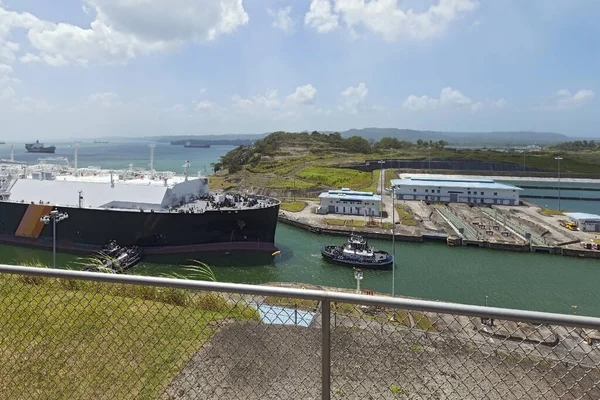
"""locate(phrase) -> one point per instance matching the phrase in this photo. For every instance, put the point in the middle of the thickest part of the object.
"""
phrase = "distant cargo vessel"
(197, 145)
(159, 212)
(100, 141)
(38, 147)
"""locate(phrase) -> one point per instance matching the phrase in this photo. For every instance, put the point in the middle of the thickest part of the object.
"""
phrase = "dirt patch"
(257, 361)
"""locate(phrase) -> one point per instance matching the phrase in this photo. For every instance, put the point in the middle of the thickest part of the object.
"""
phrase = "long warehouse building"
(455, 190)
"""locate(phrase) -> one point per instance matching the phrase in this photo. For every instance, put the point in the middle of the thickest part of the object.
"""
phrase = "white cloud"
(386, 17)
(565, 100)
(303, 95)
(7, 82)
(104, 99)
(321, 17)
(121, 30)
(271, 106)
(500, 103)
(449, 98)
(206, 106)
(354, 99)
(282, 19)
(417, 103)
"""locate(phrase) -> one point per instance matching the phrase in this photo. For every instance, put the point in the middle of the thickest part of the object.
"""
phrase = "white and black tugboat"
(357, 253)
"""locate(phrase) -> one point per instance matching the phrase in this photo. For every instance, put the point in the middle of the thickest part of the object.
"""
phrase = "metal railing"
(71, 334)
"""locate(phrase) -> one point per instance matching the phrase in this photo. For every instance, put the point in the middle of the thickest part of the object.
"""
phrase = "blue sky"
(149, 67)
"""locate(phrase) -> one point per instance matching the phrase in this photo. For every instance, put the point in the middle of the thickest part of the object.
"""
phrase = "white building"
(585, 222)
(346, 201)
(455, 190)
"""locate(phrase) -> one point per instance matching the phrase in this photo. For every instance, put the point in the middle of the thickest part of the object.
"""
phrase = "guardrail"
(71, 334)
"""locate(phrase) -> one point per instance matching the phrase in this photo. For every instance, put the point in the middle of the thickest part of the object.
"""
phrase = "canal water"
(429, 270)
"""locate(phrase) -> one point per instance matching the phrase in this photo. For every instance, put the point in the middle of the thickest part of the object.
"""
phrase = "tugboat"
(38, 147)
(117, 259)
(357, 253)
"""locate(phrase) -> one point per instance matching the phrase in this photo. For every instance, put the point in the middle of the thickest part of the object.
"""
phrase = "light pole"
(54, 216)
(393, 241)
(429, 148)
(358, 275)
(381, 184)
(558, 158)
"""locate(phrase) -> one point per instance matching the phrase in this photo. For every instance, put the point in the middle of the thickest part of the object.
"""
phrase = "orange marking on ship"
(31, 224)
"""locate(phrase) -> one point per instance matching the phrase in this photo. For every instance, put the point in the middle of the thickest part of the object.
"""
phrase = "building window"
(415, 190)
(495, 193)
(438, 190)
(482, 193)
(426, 190)
(469, 192)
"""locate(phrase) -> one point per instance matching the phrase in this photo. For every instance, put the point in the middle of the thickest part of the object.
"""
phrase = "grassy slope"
(319, 171)
(61, 343)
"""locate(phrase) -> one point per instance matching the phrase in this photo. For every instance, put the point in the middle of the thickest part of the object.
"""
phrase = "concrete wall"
(369, 207)
(444, 164)
(459, 195)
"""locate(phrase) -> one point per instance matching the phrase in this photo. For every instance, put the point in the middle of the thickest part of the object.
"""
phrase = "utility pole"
(393, 242)
(381, 184)
(558, 158)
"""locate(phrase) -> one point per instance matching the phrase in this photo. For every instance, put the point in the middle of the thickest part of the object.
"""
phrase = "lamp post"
(393, 241)
(558, 158)
(358, 275)
(54, 216)
(381, 184)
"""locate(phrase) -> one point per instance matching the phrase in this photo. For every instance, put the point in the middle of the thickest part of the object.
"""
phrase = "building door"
(331, 209)
(454, 197)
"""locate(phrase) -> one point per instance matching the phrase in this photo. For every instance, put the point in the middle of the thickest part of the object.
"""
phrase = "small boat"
(357, 253)
(114, 258)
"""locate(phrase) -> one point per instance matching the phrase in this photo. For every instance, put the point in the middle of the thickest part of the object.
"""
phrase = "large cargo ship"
(38, 147)
(158, 211)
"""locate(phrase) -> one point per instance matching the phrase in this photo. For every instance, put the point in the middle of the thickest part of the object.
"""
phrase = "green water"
(429, 270)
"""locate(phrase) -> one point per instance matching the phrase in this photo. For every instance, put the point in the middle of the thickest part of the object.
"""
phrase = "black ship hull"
(88, 230)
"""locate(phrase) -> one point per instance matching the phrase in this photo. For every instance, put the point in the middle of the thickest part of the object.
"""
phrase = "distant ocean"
(122, 153)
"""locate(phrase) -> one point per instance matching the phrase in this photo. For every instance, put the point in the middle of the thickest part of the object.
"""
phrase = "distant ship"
(2, 142)
(100, 141)
(38, 147)
(197, 145)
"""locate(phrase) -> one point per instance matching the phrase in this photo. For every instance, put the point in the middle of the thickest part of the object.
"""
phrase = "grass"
(406, 216)
(300, 304)
(375, 176)
(355, 223)
(335, 221)
(289, 183)
(550, 211)
(293, 206)
(335, 177)
(66, 338)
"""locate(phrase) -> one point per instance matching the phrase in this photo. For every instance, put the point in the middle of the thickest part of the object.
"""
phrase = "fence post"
(325, 350)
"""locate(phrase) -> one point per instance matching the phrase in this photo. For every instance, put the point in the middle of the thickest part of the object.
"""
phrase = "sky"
(92, 68)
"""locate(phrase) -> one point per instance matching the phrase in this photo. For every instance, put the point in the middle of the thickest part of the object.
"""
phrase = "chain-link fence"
(78, 335)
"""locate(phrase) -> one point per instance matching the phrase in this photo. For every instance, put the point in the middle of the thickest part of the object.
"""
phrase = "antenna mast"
(185, 169)
(152, 147)
(75, 158)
